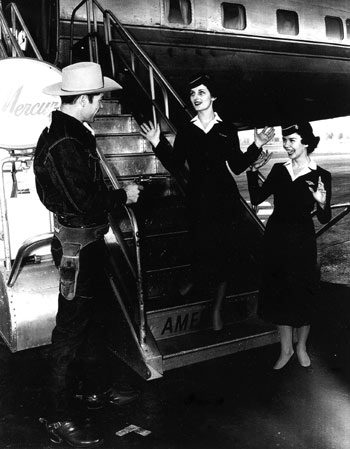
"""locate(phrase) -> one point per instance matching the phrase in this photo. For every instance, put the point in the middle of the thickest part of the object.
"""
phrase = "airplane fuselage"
(264, 70)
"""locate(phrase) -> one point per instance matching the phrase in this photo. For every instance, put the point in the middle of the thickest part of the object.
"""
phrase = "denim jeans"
(77, 338)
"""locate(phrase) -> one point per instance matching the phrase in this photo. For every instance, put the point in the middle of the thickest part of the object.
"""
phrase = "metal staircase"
(157, 329)
(177, 331)
(173, 331)
(149, 244)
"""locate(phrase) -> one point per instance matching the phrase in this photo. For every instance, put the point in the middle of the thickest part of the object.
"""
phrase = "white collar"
(87, 126)
(198, 123)
(311, 166)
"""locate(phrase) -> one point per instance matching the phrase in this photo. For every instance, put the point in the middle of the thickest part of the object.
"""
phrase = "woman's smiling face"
(292, 144)
(201, 98)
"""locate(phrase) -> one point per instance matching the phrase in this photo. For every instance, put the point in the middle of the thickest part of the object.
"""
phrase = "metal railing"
(334, 220)
(8, 34)
(137, 58)
(138, 273)
(155, 77)
(23, 252)
(136, 53)
(23, 159)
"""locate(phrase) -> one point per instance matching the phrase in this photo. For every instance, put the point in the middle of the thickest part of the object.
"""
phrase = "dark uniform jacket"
(69, 178)
(290, 273)
(208, 156)
(214, 208)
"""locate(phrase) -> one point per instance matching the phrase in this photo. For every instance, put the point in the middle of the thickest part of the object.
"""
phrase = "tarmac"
(235, 402)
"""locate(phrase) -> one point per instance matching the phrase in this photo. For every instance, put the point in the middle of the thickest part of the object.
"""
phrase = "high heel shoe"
(303, 358)
(282, 361)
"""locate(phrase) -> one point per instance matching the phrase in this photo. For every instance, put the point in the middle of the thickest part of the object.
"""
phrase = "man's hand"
(132, 193)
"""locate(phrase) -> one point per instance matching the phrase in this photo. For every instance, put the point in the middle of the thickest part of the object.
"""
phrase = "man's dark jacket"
(69, 178)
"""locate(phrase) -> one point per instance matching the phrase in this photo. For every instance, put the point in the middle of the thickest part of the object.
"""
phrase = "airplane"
(272, 60)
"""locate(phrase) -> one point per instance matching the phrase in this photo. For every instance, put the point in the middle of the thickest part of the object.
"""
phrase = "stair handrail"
(137, 51)
(16, 15)
(13, 158)
(155, 75)
(136, 234)
(25, 249)
(3, 52)
(162, 81)
(334, 220)
(89, 8)
(8, 35)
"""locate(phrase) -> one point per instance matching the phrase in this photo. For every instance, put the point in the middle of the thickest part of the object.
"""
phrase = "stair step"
(161, 209)
(124, 144)
(184, 319)
(159, 283)
(121, 124)
(110, 107)
(155, 215)
(206, 345)
(162, 282)
(134, 165)
(164, 250)
(116, 144)
(120, 144)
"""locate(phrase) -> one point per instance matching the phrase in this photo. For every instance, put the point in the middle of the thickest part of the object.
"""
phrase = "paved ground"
(236, 402)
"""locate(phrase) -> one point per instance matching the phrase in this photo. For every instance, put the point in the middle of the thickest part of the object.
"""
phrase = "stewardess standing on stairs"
(289, 275)
(207, 144)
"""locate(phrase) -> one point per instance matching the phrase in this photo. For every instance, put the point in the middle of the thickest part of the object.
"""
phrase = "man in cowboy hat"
(70, 184)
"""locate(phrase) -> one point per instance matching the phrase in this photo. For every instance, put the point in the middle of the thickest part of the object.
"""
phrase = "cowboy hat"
(82, 78)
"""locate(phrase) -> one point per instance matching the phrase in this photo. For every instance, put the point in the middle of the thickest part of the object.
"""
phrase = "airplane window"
(179, 11)
(334, 27)
(347, 28)
(233, 16)
(287, 22)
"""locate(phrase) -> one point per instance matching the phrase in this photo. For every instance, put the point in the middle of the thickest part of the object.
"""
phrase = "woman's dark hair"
(304, 129)
(203, 78)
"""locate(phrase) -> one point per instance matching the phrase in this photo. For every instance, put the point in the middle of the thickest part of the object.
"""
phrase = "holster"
(73, 240)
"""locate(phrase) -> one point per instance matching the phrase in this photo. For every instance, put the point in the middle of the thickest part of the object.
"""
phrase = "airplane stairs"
(158, 329)
(178, 329)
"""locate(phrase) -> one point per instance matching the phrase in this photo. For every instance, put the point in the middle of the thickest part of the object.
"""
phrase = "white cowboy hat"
(82, 78)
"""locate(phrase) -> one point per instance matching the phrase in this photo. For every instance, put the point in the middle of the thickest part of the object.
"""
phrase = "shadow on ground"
(232, 402)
